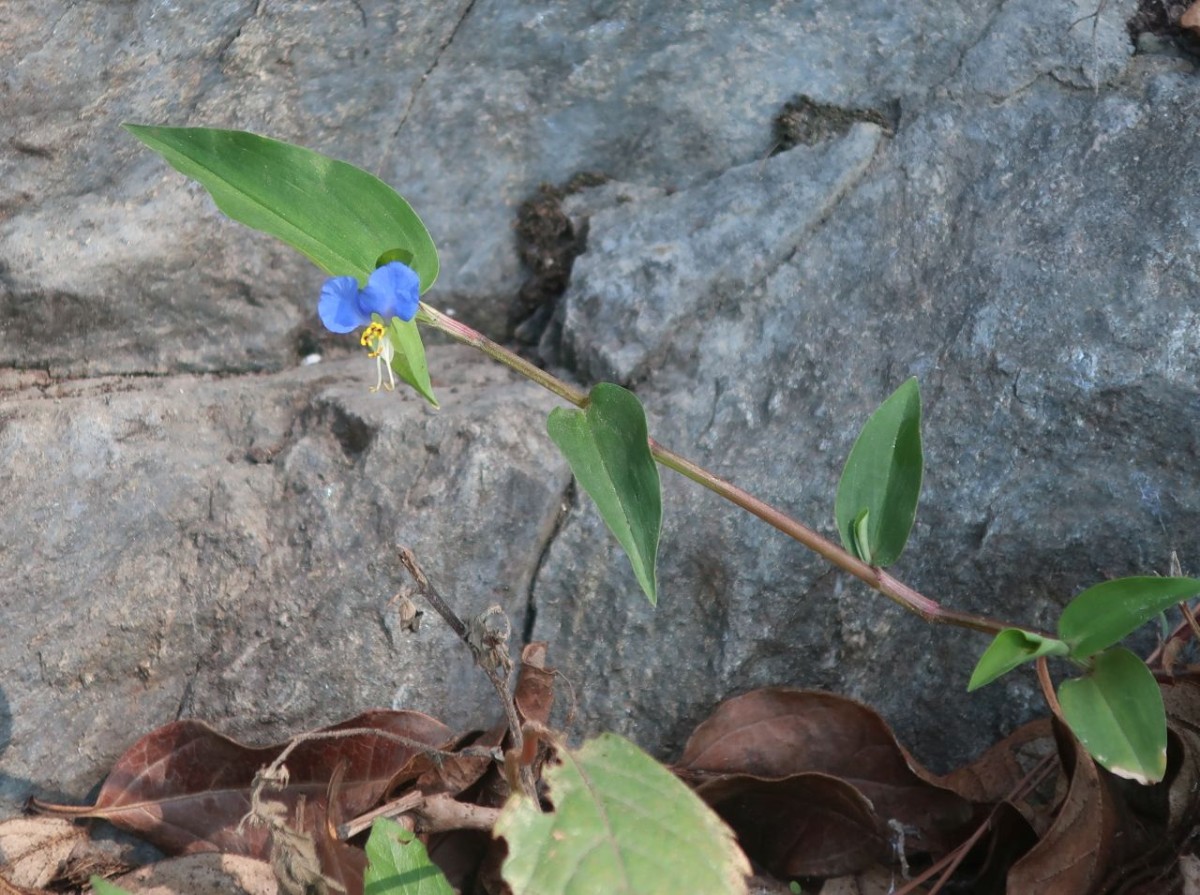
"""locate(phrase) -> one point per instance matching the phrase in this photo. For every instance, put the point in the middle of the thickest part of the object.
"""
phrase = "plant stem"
(874, 577)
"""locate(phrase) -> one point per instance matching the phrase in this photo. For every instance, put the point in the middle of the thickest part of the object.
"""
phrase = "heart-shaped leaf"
(881, 483)
(1106, 612)
(339, 216)
(622, 824)
(607, 447)
(1117, 712)
(1012, 647)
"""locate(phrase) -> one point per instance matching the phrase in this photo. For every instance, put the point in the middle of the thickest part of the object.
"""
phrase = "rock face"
(197, 525)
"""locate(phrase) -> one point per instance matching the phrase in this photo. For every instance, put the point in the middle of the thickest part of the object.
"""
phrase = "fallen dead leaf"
(1074, 855)
(36, 852)
(1191, 18)
(778, 733)
(803, 825)
(185, 788)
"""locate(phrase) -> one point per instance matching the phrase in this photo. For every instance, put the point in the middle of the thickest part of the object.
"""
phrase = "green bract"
(881, 484)
(409, 361)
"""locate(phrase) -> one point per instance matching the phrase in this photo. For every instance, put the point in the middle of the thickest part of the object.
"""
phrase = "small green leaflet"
(397, 864)
(1011, 648)
(881, 483)
(622, 824)
(608, 449)
(1117, 712)
(1107, 612)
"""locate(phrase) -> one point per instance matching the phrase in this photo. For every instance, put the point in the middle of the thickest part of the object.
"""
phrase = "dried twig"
(487, 639)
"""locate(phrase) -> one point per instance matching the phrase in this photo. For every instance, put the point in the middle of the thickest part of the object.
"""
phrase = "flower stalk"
(874, 577)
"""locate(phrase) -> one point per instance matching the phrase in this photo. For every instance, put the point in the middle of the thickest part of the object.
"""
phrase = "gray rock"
(1032, 265)
(225, 548)
(112, 263)
(218, 542)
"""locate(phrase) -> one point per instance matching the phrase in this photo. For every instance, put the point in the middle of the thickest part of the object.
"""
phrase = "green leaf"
(608, 450)
(397, 864)
(1011, 648)
(1103, 614)
(881, 484)
(623, 825)
(409, 360)
(1117, 712)
(101, 886)
(341, 217)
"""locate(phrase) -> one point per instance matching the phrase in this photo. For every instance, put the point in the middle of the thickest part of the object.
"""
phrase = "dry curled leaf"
(37, 852)
(779, 733)
(185, 788)
(1073, 856)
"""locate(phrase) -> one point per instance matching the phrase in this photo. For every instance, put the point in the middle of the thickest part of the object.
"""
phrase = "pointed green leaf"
(609, 452)
(342, 218)
(397, 864)
(1117, 712)
(1011, 648)
(622, 824)
(881, 483)
(1103, 614)
(101, 886)
(409, 360)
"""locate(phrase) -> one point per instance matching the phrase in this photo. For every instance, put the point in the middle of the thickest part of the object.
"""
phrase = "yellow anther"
(372, 338)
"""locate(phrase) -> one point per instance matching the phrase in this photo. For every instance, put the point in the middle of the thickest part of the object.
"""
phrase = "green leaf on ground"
(881, 483)
(101, 886)
(1117, 712)
(1107, 612)
(622, 824)
(409, 360)
(397, 864)
(608, 449)
(342, 218)
(1011, 648)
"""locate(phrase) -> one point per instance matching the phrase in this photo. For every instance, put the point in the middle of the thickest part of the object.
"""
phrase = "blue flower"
(393, 290)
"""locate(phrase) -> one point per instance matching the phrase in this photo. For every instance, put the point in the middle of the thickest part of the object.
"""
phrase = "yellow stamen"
(379, 346)
(372, 339)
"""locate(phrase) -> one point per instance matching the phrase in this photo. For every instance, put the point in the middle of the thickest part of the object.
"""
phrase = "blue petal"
(339, 306)
(393, 290)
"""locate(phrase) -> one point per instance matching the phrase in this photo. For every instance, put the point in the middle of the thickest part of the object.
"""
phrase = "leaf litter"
(815, 787)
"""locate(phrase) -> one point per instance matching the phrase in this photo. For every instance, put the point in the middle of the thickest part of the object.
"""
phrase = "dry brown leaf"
(36, 852)
(185, 788)
(534, 695)
(803, 825)
(1191, 18)
(777, 733)
(205, 874)
(1073, 856)
(995, 775)
(34, 849)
